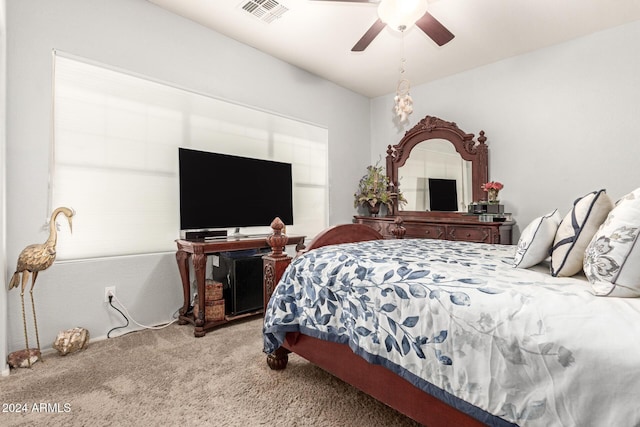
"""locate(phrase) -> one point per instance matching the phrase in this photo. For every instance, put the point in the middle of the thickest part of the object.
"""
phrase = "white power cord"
(137, 323)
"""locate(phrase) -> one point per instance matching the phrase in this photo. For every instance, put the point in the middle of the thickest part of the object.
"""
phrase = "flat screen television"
(443, 194)
(225, 191)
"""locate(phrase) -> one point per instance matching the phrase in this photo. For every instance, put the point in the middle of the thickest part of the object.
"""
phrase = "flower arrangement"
(373, 190)
(493, 185)
(492, 188)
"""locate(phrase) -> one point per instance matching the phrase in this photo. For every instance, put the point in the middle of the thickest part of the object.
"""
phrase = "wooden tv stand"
(197, 251)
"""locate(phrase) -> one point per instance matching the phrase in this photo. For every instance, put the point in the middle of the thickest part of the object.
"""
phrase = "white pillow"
(536, 240)
(612, 259)
(576, 231)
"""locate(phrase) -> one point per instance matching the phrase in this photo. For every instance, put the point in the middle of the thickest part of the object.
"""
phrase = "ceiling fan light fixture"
(401, 14)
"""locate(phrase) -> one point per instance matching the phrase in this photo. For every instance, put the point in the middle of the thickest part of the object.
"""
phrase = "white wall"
(560, 121)
(142, 38)
(4, 370)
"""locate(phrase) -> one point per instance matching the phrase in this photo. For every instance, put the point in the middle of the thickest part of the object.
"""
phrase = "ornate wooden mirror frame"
(435, 128)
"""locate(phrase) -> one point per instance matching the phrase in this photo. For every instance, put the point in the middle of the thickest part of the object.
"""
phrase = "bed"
(451, 334)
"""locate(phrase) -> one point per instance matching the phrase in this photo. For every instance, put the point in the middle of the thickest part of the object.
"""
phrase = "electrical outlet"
(109, 291)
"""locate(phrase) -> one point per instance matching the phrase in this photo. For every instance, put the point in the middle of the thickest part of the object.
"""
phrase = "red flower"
(492, 185)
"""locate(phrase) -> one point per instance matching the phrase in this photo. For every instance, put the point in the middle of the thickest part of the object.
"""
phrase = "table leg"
(182, 258)
(199, 266)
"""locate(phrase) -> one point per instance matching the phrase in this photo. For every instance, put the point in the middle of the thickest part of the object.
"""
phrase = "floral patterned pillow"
(576, 231)
(612, 259)
(536, 240)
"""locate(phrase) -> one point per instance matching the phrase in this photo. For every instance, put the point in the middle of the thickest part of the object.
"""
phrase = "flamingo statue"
(33, 259)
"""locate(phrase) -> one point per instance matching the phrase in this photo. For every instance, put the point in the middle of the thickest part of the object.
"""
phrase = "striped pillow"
(576, 231)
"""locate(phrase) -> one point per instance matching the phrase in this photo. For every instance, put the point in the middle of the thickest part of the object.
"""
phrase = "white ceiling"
(317, 36)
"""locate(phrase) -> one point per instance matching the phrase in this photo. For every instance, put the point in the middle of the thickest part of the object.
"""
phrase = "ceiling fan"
(400, 15)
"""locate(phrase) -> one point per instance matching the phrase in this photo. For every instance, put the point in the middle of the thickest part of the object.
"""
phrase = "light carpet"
(169, 377)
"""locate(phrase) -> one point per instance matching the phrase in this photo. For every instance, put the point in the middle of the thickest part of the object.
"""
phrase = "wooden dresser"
(433, 224)
(452, 226)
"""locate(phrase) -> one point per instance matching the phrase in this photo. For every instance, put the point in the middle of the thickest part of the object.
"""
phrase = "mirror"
(433, 160)
(436, 178)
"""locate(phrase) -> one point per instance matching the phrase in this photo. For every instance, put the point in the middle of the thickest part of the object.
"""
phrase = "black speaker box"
(241, 276)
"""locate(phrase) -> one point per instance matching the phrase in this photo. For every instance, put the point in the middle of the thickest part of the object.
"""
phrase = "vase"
(373, 209)
(492, 196)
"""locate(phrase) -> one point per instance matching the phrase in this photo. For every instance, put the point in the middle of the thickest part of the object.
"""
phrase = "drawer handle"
(426, 232)
(468, 234)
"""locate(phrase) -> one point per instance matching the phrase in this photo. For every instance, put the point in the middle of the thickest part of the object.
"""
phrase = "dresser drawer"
(425, 231)
(469, 233)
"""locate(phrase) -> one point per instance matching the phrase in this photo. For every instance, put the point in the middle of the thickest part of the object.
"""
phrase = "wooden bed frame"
(338, 359)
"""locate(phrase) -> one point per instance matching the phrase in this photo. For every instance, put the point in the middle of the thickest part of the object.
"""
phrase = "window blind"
(115, 156)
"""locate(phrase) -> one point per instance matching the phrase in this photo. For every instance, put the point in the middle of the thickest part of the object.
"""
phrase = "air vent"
(265, 10)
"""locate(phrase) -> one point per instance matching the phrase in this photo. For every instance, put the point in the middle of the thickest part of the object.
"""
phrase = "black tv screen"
(223, 191)
(443, 194)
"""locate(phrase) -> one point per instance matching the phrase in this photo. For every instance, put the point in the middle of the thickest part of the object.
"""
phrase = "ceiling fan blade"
(434, 29)
(368, 37)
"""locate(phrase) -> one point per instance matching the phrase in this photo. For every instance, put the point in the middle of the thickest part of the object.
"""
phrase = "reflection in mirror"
(436, 178)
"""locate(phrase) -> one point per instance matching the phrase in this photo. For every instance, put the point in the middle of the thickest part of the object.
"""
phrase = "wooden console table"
(197, 251)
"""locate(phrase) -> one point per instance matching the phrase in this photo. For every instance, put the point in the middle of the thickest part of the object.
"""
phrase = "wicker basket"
(212, 290)
(213, 302)
(213, 310)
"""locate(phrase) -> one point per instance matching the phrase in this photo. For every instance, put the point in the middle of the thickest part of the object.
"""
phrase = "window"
(115, 157)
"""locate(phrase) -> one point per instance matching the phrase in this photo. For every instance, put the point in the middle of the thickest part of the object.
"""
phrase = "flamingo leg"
(25, 277)
(34, 275)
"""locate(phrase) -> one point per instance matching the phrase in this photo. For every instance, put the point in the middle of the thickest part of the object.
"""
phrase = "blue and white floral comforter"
(457, 320)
